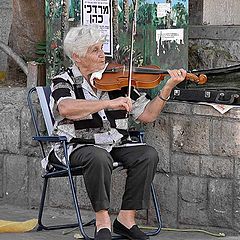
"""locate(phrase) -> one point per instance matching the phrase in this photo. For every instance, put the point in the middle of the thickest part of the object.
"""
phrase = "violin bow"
(133, 33)
(134, 24)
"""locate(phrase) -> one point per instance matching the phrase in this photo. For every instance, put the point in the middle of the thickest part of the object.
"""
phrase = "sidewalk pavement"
(12, 213)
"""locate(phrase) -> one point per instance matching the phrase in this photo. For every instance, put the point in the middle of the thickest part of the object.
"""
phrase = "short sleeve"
(62, 89)
(139, 105)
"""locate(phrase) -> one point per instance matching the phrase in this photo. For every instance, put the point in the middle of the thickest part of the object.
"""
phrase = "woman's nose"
(102, 54)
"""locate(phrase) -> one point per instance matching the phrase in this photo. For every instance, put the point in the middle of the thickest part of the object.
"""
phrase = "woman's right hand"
(121, 103)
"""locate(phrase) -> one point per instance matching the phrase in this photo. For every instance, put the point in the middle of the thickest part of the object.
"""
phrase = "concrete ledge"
(214, 32)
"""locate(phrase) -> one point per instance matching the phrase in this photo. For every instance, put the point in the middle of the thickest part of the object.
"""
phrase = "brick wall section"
(198, 176)
(199, 184)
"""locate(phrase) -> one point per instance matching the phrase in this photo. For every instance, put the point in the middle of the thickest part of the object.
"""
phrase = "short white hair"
(80, 38)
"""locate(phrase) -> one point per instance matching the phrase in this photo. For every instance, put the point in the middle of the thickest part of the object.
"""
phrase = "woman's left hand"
(177, 76)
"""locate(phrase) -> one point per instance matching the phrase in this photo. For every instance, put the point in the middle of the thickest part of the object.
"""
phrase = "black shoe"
(103, 234)
(133, 233)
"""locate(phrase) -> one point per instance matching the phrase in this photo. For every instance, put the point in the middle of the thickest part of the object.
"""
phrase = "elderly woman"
(95, 124)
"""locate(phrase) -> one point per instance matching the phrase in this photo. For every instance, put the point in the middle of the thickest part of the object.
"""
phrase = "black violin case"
(220, 96)
(215, 90)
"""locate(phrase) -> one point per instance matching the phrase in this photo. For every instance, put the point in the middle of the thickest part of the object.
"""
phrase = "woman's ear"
(76, 57)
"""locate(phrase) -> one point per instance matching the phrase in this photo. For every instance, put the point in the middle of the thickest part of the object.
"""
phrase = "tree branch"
(21, 63)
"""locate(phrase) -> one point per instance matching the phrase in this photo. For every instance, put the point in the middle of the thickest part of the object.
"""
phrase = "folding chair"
(43, 94)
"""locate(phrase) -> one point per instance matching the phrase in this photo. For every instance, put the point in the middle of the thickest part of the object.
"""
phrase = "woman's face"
(94, 59)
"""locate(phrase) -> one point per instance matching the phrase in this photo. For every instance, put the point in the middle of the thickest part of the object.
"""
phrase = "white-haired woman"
(95, 124)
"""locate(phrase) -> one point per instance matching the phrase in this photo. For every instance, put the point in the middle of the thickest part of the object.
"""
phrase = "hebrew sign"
(99, 13)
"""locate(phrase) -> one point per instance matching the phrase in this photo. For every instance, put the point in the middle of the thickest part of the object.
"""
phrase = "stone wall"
(214, 38)
(5, 20)
(213, 12)
(213, 46)
(209, 12)
(198, 177)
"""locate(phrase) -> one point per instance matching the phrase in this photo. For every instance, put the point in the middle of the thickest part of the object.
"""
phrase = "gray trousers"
(140, 162)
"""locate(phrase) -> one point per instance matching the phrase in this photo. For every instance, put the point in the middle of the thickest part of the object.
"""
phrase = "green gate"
(161, 32)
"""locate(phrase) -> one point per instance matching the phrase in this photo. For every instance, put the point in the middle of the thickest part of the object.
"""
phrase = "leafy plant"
(123, 53)
(41, 52)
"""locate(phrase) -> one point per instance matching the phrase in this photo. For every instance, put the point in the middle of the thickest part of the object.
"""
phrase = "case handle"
(220, 98)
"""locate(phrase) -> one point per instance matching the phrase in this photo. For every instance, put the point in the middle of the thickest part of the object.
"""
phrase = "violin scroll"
(201, 79)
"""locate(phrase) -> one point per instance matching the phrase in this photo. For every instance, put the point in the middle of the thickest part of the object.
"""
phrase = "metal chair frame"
(66, 170)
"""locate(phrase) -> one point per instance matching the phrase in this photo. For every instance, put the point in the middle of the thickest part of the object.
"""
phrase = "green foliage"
(147, 14)
(55, 32)
(180, 15)
(41, 52)
(123, 53)
(53, 9)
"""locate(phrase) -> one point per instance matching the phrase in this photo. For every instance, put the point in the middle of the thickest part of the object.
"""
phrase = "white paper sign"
(169, 35)
(99, 12)
(163, 9)
(220, 107)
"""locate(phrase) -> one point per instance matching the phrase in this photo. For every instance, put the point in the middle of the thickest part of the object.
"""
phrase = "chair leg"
(157, 211)
(60, 226)
(40, 213)
(75, 201)
(79, 218)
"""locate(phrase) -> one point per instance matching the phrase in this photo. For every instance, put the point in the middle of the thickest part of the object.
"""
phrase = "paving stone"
(236, 205)
(60, 194)
(10, 132)
(19, 99)
(200, 109)
(5, 4)
(158, 135)
(193, 201)
(237, 168)
(174, 107)
(226, 138)
(185, 164)
(54, 216)
(1, 174)
(166, 187)
(220, 202)
(28, 146)
(84, 200)
(118, 186)
(214, 166)
(35, 181)
(191, 134)
(16, 180)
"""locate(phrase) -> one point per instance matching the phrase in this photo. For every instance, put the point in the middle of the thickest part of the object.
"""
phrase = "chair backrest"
(43, 94)
(44, 98)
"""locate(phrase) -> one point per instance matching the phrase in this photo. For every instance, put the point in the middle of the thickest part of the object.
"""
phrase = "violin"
(116, 77)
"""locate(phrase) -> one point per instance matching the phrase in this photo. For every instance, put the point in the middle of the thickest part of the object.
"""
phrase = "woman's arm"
(78, 108)
(154, 107)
